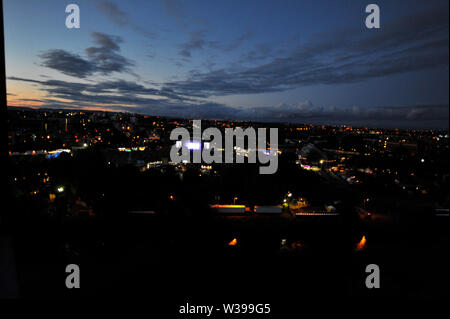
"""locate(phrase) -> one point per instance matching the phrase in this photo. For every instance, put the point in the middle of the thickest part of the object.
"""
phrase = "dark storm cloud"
(103, 59)
(413, 43)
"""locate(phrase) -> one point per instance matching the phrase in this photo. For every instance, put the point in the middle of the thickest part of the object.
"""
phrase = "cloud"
(174, 8)
(105, 56)
(339, 57)
(196, 42)
(67, 63)
(108, 42)
(113, 12)
(238, 41)
(412, 43)
(262, 52)
(119, 17)
(105, 93)
(121, 95)
(227, 46)
(401, 115)
(103, 59)
(15, 78)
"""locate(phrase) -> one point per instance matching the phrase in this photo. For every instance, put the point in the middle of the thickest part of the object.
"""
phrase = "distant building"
(229, 209)
(311, 154)
(268, 209)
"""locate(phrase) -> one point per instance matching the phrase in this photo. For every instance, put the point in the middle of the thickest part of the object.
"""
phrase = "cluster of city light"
(310, 168)
(316, 214)
(53, 153)
(135, 148)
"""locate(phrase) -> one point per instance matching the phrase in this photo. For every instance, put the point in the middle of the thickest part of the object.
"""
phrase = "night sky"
(297, 61)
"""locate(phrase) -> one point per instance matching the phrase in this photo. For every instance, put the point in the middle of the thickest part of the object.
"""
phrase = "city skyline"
(261, 61)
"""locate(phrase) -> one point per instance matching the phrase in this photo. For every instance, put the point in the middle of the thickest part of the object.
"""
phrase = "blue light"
(195, 146)
(54, 155)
